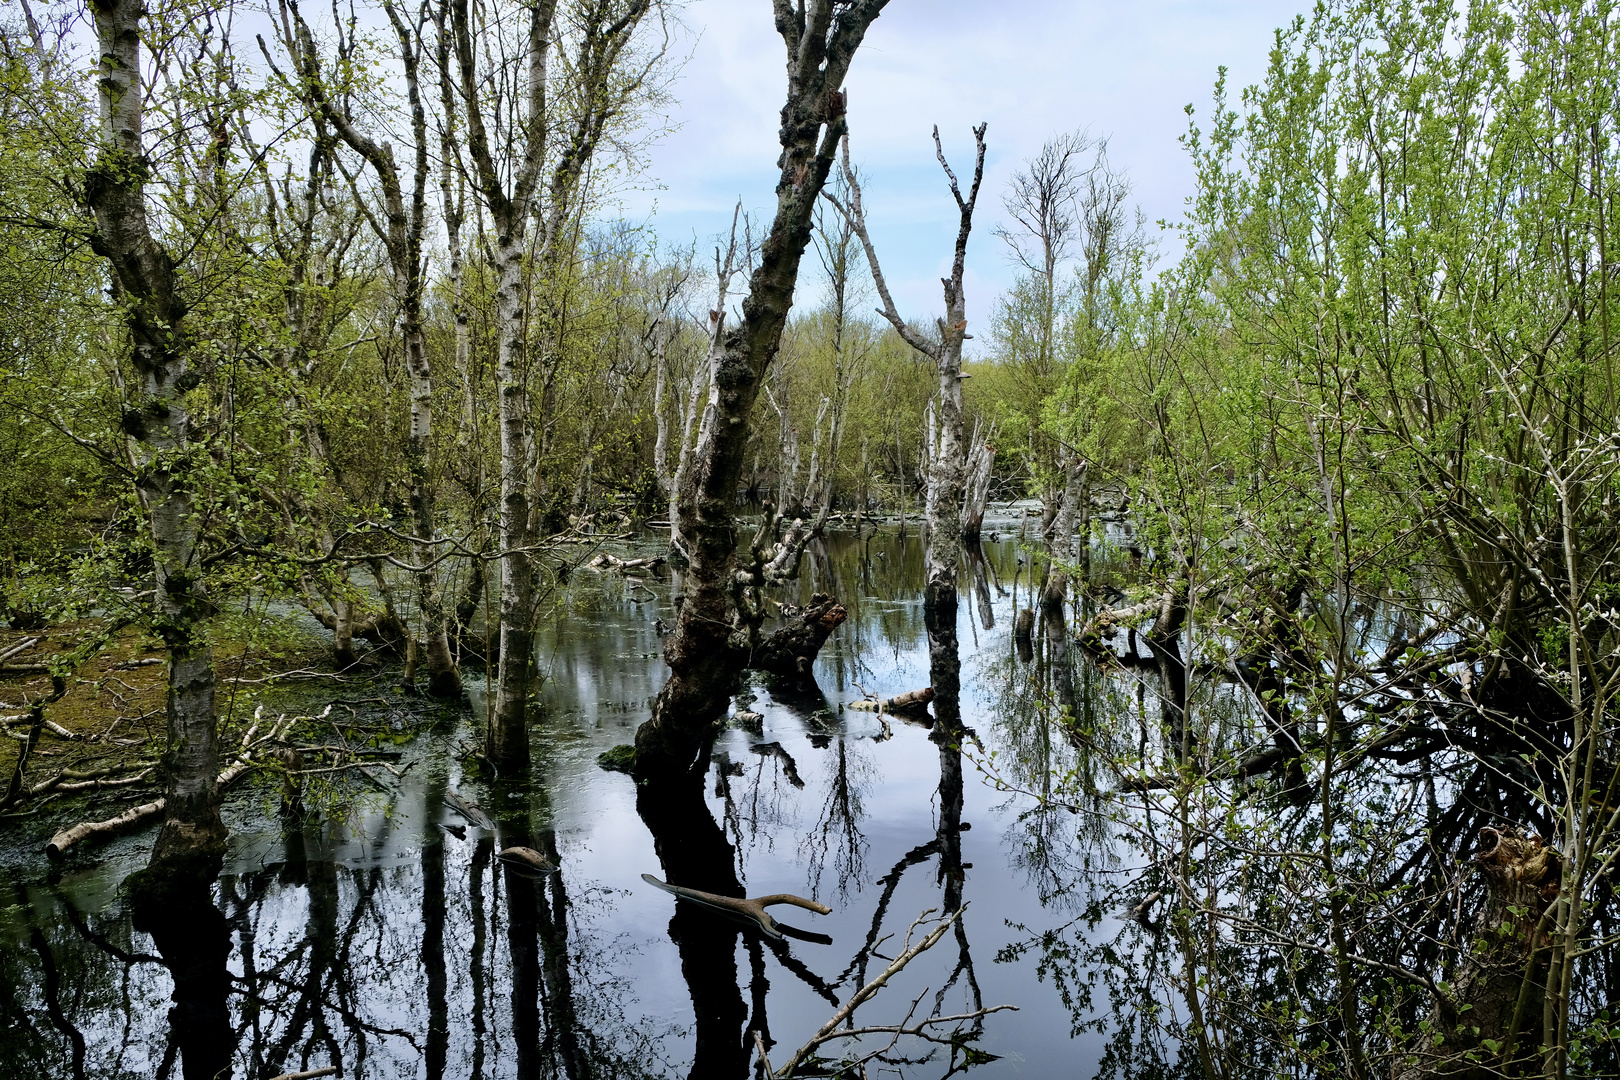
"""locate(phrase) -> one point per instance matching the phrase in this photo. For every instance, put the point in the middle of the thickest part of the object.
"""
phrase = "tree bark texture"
(1500, 985)
(146, 286)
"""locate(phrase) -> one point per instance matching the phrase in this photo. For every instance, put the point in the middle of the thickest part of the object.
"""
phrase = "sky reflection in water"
(398, 948)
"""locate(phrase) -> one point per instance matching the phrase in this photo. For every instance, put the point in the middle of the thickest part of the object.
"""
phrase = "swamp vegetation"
(441, 617)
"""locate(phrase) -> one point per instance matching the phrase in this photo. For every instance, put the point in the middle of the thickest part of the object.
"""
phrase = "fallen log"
(17, 648)
(67, 838)
(912, 702)
(135, 815)
(753, 910)
(330, 1070)
(527, 861)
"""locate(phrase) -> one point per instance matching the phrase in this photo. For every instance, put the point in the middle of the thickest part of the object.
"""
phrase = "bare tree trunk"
(146, 288)
(821, 42)
(944, 449)
(981, 463)
(1060, 541)
(507, 741)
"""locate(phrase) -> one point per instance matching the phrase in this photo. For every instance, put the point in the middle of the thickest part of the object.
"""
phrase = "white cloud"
(1031, 69)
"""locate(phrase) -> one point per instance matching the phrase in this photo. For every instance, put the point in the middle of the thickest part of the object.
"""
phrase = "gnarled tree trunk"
(821, 41)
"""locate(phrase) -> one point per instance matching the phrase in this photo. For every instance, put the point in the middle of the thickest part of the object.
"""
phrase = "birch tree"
(520, 175)
(149, 290)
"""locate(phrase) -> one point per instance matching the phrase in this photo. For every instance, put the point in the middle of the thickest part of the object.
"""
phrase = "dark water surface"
(394, 947)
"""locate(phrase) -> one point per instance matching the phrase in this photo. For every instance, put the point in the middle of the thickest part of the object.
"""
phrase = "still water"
(389, 941)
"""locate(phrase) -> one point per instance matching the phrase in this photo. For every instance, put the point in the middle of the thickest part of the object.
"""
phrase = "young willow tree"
(1373, 417)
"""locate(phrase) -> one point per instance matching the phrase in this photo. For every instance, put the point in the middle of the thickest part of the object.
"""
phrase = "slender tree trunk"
(506, 744)
(1060, 544)
(157, 421)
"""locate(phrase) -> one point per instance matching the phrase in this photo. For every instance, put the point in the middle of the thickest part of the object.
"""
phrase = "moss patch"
(621, 758)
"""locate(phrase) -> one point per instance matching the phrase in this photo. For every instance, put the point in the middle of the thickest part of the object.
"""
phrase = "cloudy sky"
(1031, 68)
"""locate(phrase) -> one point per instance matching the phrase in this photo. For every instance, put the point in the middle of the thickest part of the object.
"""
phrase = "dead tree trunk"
(821, 41)
(944, 449)
(1060, 541)
(981, 463)
(146, 289)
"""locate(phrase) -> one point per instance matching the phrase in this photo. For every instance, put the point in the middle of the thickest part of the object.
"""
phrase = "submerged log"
(752, 910)
(470, 810)
(912, 702)
(527, 861)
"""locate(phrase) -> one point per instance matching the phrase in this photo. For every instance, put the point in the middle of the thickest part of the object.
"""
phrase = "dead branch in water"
(137, 815)
(921, 1029)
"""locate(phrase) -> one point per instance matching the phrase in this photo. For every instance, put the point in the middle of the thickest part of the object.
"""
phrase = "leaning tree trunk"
(704, 663)
(147, 290)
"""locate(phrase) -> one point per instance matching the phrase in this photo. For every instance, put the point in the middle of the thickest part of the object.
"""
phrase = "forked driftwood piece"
(527, 861)
(750, 909)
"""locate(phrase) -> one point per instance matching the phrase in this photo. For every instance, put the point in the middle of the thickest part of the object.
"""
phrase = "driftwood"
(470, 810)
(912, 702)
(137, 815)
(527, 861)
(752, 910)
(604, 561)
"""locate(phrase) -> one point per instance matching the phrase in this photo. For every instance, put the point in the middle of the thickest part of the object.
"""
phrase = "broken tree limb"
(751, 909)
(311, 1074)
(792, 650)
(67, 838)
